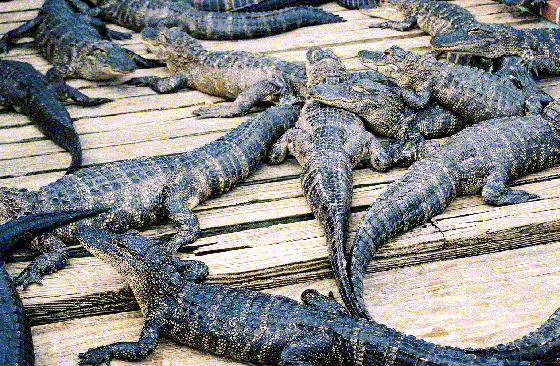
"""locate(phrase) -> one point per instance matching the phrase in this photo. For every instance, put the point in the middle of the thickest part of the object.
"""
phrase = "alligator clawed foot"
(142, 81)
(27, 277)
(214, 112)
(95, 356)
(96, 101)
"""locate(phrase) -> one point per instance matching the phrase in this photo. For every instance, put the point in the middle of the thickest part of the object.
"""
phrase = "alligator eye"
(387, 53)
(473, 30)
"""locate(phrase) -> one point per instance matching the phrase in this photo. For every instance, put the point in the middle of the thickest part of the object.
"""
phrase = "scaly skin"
(247, 77)
(469, 92)
(269, 5)
(76, 44)
(328, 142)
(249, 326)
(538, 47)
(16, 345)
(138, 14)
(483, 157)
(383, 109)
(142, 191)
(23, 87)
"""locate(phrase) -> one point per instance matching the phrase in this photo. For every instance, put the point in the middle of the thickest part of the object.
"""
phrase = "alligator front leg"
(64, 91)
(52, 259)
(495, 191)
(295, 140)
(130, 351)
(407, 24)
(142, 62)
(193, 271)
(371, 149)
(243, 103)
(22, 31)
(416, 99)
(160, 85)
(307, 350)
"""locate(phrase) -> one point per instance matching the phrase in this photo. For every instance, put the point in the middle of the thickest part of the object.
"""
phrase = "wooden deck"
(474, 276)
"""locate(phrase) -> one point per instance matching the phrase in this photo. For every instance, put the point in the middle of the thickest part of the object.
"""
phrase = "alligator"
(534, 3)
(538, 47)
(483, 157)
(269, 5)
(138, 14)
(385, 112)
(247, 77)
(76, 43)
(328, 142)
(144, 190)
(469, 92)
(16, 345)
(24, 88)
(255, 327)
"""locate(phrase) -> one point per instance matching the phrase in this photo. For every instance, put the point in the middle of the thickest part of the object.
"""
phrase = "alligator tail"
(327, 185)
(425, 190)
(220, 26)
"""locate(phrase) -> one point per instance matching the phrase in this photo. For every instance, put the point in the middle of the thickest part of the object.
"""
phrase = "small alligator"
(24, 88)
(328, 142)
(16, 345)
(76, 44)
(538, 47)
(255, 327)
(483, 157)
(138, 14)
(142, 191)
(469, 92)
(384, 111)
(269, 5)
(245, 77)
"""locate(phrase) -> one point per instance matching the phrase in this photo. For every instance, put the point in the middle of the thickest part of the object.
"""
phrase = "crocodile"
(539, 48)
(16, 345)
(328, 142)
(245, 77)
(144, 190)
(385, 112)
(483, 157)
(24, 88)
(138, 14)
(469, 92)
(269, 5)
(255, 327)
(77, 44)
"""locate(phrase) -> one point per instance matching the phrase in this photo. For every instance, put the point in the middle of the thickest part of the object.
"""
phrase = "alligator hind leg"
(327, 304)
(52, 259)
(243, 103)
(495, 191)
(307, 350)
(295, 140)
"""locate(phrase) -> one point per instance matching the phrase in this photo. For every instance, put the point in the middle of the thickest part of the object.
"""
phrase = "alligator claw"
(27, 277)
(95, 356)
(142, 81)
(214, 112)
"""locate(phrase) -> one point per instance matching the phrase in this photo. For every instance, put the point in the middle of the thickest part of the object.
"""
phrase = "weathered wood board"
(473, 276)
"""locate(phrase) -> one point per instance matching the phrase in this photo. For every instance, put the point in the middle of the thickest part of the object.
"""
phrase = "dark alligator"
(328, 142)
(142, 191)
(484, 157)
(255, 327)
(138, 14)
(269, 5)
(247, 77)
(469, 92)
(77, 44)
(24, 88)
(16, 345)
(385, 112)
(539, 48)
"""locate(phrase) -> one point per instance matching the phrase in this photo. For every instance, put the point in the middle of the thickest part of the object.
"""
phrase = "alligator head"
(481, 39)
(148, 268)
(323, 66)
(104, 60)
(172, 45)
(404, 67)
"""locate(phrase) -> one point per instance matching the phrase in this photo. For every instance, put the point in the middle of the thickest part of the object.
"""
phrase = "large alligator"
(246, 77)
(328, 142)
(138, 14)
(538, 47)
(255, 327)
(269, 5)
(16, 345)
(385, 112)
(24, 88)
(483, 157)
(77, 44)
(469, 92)
(144, 190)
